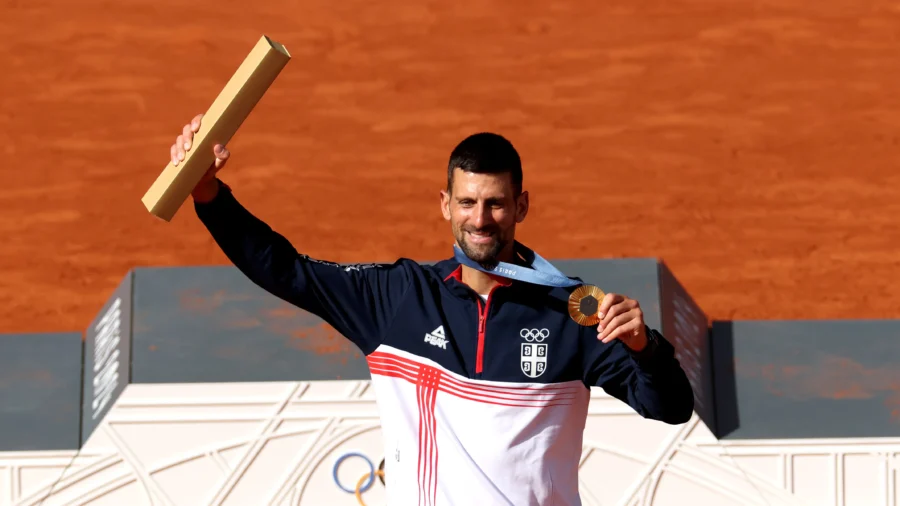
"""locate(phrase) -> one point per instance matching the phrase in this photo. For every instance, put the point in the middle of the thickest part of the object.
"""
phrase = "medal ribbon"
(542, 272)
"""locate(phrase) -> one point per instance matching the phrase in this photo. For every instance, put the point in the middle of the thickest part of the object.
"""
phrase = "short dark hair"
(486, 153)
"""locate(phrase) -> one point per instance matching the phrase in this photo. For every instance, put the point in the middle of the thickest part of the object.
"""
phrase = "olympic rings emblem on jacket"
(534, 335)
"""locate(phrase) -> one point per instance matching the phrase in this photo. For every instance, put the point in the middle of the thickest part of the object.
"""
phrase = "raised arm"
(360, 302)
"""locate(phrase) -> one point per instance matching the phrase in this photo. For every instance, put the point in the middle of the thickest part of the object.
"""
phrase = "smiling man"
(489, 407)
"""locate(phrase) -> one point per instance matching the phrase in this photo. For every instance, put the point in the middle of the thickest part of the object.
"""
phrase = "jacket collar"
(457, 275)
(449, 269)
(450, 272)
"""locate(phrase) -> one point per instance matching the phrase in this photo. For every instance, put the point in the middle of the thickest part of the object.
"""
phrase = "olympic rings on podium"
(363, 478)
(370, 474)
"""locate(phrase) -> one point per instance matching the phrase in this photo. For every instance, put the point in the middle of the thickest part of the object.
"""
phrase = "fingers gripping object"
(229, 110)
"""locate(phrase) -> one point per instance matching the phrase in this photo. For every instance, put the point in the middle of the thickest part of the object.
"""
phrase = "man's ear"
(522, 207)
(445, 204)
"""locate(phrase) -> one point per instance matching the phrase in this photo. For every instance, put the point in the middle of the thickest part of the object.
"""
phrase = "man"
(482, 381)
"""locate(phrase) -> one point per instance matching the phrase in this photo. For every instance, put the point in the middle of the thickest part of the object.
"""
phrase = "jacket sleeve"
(359, 301)
(652, 382)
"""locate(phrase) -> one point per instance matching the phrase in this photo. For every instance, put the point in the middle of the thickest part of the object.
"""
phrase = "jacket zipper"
(482, 323)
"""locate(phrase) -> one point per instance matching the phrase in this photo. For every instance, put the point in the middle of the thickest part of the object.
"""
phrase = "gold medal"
(584, 303)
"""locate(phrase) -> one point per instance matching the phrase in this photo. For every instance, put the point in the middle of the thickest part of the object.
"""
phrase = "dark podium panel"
(211, 324)
(808, 379)
(40, 391)
(107, 357)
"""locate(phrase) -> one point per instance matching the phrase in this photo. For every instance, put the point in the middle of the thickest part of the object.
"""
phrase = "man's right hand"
(207, 187)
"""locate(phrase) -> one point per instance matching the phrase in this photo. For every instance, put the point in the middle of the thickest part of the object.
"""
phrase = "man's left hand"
(622, 319)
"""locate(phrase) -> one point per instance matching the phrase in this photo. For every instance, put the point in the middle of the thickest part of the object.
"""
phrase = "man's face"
(483, 211)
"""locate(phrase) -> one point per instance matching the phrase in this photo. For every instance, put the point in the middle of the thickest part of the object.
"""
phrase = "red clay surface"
(752, 145)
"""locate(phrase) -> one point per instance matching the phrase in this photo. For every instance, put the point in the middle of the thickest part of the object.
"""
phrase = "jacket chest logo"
(534, 351)
(437, 338)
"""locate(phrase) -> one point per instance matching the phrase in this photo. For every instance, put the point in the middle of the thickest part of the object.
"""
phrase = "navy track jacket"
(483, 399)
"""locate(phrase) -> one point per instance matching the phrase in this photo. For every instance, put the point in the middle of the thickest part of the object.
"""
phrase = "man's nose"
(483, 216)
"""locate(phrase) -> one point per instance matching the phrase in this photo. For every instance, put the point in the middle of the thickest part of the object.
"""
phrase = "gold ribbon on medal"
(584, 303)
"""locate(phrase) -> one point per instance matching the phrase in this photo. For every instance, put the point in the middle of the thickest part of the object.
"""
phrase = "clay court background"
(752, 145)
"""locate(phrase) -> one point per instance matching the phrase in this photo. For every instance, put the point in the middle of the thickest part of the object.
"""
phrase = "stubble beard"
(484, 255)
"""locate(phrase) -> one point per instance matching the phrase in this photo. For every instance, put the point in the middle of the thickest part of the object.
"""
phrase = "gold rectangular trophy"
(226, 114)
